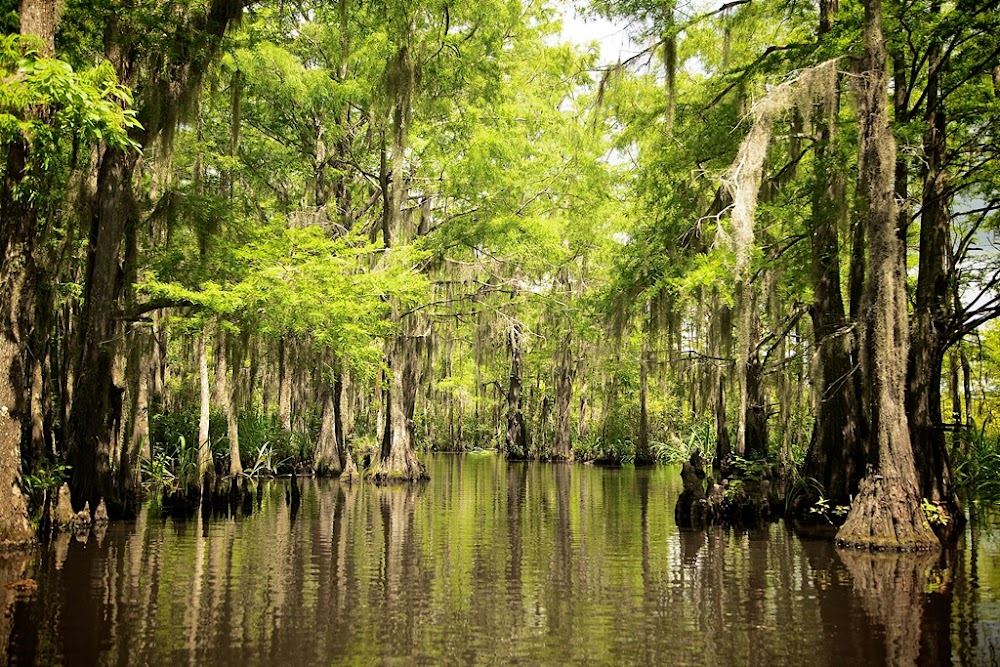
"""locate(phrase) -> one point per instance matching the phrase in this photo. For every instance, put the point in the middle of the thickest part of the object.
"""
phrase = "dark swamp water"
(492, 564)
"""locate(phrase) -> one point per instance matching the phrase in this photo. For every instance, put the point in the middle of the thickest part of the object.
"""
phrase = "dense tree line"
(249, 236)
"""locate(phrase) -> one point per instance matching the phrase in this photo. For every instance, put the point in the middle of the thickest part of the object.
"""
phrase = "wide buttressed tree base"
(398, 460)
(886, 515)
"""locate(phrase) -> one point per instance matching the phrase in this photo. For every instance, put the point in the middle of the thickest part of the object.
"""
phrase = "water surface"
(492, 563)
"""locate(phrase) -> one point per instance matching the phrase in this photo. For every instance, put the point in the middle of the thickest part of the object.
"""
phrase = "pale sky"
(612, 37)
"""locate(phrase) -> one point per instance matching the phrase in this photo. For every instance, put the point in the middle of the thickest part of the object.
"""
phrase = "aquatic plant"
(975, 460)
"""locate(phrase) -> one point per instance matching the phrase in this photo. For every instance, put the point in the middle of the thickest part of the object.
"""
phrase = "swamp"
(496, 563)
(499, 332)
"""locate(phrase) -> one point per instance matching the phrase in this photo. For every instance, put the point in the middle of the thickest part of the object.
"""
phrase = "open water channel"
(492, 563)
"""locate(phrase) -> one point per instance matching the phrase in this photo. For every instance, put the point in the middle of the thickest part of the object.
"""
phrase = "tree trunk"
(643, 456)
(327, 457)
(230, 347)
(18, 230)
(752, 437)
(97, 399)
(135, 438)
(886, 513)
(285, 384)
(398, 457)
(756, 415)
(205, 467)
(723, 447)
(17, 224)
(39, 18)
(931, 312)
(516, 443)
(339, 429)
(836, 457)
(562, 447)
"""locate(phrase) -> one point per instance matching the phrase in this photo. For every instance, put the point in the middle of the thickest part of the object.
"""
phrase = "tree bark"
(97, 399)
(516, 442)
(562, 446)
(397, 457)
(886, 513)
(327, 459)
(836, 457)
(751, 437)
(643, 456)
(285, 384)
(929, 328)
(16, 241)
(230, 348)
(204, 412)
(18, 231)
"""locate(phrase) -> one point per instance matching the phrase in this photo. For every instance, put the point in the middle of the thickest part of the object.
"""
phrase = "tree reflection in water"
(521, 563)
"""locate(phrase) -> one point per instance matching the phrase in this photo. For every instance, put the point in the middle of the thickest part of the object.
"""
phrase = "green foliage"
(262, 463)
(803, 490)
(748, 469)
(158, 474)
(975, 458)
(834, 514)
(44, 101)
(619, 451)
(936, 513)
(266, 448)
(44, 481)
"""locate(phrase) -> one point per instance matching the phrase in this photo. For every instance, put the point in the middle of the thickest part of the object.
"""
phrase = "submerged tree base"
(740, 500)
(886, 516)
(382, 475)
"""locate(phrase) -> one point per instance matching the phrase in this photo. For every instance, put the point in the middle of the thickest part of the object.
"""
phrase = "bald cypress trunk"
(397, 456)
(231, 349)
(327, 459)
(516, 441)
(285, 384)
(562, 445)
(886, 513)
(931, 313)
(643, 456)
(97, 398)
(17, 229)
(206, 468)
(18, 301)
(836, 456)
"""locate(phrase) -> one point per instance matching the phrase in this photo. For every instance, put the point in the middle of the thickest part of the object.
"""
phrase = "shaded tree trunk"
(17, 229)
(929, 327)
(643, 456)
(562, 446)
(327, 459)
(97, 399)
(516, 442)
(836, 456)
(230, 347)
(752, 437)
(397, 457)
(285, 384)
(723, 446)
